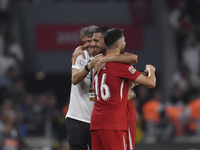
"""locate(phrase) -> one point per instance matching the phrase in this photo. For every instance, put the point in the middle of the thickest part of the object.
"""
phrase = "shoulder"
(117, 65)
(80, 57)
(80, 61)
(86, 55)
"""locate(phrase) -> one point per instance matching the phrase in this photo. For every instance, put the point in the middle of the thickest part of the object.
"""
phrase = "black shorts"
(78, 134)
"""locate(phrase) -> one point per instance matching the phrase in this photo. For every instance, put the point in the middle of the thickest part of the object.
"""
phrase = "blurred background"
(37, 39)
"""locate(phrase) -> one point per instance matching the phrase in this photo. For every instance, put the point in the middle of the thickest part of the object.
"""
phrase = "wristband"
(86, 68)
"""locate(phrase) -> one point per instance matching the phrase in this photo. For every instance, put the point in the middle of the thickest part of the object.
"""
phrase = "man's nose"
(92, 43)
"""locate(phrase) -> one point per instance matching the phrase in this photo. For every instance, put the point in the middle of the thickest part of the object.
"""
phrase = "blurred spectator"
(191, 115)
(194, 116)
(191, 57)
(182, 80)
(173, 111)
(28, 116)
(152, 114)
(9, 134)
(54, 120)
(180, 21)
(18, 91)
(6, 62)
(8, 70)
(14, 49)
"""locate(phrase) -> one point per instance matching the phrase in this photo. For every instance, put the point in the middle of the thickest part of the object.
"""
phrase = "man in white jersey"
(81, 97)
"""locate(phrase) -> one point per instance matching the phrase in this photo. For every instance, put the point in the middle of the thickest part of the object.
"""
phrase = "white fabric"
(6, 63)
(80, 107)
(191, 58)
(130, 138)
(173, 18)
(179, 80)
(16, 49)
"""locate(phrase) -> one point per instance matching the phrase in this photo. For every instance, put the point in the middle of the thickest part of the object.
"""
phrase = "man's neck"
(112, 52)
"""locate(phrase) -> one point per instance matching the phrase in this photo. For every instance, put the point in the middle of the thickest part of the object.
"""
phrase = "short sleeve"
(127, 72)
(81, 62)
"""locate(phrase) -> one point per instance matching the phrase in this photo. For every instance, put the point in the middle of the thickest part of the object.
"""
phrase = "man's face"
(123, 43)
(87, 42)
(98, 43)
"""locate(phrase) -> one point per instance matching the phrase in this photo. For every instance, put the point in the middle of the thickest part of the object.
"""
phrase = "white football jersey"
(80, 106)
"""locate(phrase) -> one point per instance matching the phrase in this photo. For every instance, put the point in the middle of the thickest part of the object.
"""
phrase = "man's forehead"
(87, 38)
(97, 35)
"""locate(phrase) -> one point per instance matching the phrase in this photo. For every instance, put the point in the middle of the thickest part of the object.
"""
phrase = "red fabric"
(131, 114)
(131, 135)
(110, 113)
(109, 140)
(131, 123)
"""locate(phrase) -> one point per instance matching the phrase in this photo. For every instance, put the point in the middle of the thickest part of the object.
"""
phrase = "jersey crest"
(80, 62)
(132, 69)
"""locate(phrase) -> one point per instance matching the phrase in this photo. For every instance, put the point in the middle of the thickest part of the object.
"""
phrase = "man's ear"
(118, 45)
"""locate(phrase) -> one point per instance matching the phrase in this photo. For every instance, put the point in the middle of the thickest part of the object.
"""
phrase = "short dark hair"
(102, 29)
(112, 36)
(87, 31)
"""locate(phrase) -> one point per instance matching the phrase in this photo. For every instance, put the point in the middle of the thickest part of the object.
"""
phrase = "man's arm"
(78, 51)
(79, 75)
(127, 58)
(148, 81)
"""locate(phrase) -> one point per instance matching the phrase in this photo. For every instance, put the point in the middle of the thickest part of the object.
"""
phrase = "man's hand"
(99, 65)
(78, 51)
(131, 94)
(149, 69)
(94, 61)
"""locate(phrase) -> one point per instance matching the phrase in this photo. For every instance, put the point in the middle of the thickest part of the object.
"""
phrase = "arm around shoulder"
(127, 58)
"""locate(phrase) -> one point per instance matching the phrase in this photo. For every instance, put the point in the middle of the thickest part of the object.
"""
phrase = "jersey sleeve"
(127, 72)
(80, 62)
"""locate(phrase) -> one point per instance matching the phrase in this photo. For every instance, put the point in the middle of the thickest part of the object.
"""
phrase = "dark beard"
(102, 52)
(122, 51)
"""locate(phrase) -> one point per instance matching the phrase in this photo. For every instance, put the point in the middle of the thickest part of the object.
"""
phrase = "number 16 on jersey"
(104, 89)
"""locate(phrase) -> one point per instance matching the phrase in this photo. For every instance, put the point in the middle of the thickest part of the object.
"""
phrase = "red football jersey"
(111, 93)
(131, 114)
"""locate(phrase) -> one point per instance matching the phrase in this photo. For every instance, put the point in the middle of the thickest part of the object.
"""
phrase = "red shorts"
(109, 139)
(131, 135)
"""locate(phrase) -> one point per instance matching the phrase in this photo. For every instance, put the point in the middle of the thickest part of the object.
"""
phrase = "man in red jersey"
(131, 120)
(109, 120)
